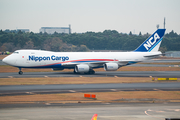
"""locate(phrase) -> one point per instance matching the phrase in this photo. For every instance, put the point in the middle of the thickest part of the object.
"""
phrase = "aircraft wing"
(91, 62)
(97, 63)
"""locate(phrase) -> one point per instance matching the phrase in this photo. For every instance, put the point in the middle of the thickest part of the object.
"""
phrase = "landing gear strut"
(91, 71)
(20, 72)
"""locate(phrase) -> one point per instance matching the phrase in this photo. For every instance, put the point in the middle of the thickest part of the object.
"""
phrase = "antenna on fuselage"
(157, 26)
(164, 22)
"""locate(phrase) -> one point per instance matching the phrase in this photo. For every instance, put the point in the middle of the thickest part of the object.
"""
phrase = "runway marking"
(30, 93)
(149, 110)
(48, 104)
(113, 89)
(106, 103)
(160, 111)
(176, 110)
(176, 65)
(157, 89)
(72, 91)
(152, 115)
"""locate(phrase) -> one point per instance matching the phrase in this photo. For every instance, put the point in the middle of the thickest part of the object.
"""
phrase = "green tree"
(130, 33)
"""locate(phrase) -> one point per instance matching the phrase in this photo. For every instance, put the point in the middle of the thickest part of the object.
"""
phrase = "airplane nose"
(7, 60)
(4, 60)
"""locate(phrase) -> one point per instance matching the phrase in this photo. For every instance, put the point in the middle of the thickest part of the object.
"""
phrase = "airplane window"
(15, 52)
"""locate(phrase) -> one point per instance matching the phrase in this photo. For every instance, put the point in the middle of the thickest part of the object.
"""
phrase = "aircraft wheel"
(91, 72)
(20, 72)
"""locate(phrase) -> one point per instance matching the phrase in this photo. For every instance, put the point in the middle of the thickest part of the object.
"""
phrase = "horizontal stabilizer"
(153, 55)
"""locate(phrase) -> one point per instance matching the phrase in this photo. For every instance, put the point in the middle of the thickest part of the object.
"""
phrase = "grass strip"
(101, 97)
(73, 80)
(6, 68)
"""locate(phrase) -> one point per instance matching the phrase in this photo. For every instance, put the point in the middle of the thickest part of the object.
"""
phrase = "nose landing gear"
(20, 72)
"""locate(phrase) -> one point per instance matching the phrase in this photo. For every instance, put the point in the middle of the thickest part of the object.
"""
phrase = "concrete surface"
(105, 111)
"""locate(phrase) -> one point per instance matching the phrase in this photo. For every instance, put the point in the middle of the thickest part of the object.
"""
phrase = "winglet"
(94, 117)
(152, 44)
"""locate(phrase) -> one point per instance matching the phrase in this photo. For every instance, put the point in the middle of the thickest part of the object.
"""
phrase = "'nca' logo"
(151, 41)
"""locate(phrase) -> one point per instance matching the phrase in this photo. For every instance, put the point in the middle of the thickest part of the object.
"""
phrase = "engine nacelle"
(111, 66)
(83, 68)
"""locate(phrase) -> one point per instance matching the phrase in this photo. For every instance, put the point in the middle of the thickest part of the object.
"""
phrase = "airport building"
(51, 30)
(23, 30)
(17, 30)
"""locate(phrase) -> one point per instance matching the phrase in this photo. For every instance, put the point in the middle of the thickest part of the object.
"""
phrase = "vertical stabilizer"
(153, 43)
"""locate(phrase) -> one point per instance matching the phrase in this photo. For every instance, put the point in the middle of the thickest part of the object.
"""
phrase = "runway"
(85, 111)
(175, 74)
(105, 111)
(72, 88)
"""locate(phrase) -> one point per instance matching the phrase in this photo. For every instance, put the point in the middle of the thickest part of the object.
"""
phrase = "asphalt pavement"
(175, 74)
(7, 90)
(80, 111)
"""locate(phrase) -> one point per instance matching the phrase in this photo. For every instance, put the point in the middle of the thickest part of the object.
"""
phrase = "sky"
(91, 15)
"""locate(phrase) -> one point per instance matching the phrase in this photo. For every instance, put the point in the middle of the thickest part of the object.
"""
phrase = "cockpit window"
(15, 52)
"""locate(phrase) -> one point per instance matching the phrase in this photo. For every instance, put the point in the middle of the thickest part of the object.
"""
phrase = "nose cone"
(8, 60)
(5, 60)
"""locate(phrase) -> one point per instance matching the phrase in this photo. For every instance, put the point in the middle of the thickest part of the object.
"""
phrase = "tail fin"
(153, 43)
(94, 117)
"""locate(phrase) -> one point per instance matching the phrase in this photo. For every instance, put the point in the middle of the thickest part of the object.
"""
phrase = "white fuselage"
(48, 59)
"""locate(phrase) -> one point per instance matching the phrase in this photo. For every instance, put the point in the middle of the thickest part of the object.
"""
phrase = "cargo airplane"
(85, 62)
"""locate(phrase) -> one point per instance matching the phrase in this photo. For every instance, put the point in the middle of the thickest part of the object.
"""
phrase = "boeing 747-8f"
(85, 62)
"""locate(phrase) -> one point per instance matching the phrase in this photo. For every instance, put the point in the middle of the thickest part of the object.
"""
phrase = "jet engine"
(83, 68)
(111, 66)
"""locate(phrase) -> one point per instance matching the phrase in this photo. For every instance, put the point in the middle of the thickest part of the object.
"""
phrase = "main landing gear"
(91, 71)
(20, 72)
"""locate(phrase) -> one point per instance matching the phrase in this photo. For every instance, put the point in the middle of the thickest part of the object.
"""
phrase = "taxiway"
(68, 88)
(175, 74)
